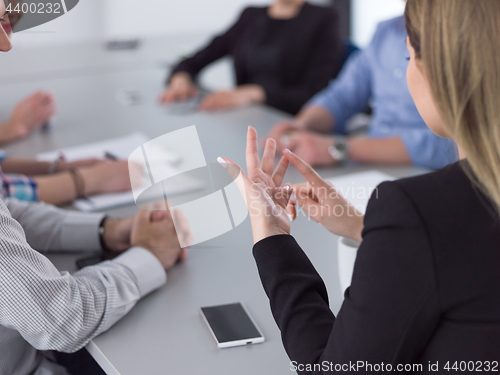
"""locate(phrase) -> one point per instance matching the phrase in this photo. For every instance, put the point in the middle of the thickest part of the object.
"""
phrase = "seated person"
(58, 182)
(43, 309)
(283, 54)
(30, 114)
(396, 135)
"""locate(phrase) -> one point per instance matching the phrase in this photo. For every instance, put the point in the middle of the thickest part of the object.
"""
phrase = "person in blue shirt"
(397, 133)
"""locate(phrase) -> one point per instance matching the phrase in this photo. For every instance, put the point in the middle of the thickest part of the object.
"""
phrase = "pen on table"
(110, 156)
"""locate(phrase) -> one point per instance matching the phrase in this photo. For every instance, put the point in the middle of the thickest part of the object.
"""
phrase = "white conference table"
(164, 334)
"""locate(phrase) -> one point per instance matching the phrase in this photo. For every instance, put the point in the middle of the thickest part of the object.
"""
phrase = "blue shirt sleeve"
(349, 93)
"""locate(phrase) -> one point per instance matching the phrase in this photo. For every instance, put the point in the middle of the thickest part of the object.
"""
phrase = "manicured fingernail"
(287, 151)
(293, 198)
(286, 188)
(222, 162)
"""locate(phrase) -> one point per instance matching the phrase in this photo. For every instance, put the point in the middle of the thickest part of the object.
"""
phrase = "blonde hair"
(457, 43)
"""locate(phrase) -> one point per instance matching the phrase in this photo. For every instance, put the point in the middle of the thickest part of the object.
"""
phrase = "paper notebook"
(357, 188)
(120, 147)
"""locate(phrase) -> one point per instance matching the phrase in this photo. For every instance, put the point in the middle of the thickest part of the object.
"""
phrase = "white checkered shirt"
(44, 309)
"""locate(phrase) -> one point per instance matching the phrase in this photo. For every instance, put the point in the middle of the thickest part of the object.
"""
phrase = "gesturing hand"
(323, 203)
(261, 188)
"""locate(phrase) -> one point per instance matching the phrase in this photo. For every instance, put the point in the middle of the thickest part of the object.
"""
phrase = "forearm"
(316, 118)
(56, 189)
(24, 166)
(50, 228)
(291, 283)
(378, 151)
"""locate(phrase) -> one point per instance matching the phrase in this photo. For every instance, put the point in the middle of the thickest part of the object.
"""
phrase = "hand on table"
(242, 96)
(180, 89)
(117, 232)
(29, 115)
(155, 232)
(323, 203)
(266, 199)
(64, 166)
(280, 132)
(310, 146)
(107, 177)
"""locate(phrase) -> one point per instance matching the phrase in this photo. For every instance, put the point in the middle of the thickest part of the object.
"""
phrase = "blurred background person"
(30, 114)
(58, 182)
(396, 133)
(283, 54)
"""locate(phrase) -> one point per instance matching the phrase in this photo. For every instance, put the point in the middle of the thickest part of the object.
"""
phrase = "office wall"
(173, 17)
(366, 14)
(93, 19)
(84, 22)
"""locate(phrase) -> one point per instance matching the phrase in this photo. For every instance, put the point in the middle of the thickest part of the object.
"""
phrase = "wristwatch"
(339, 151)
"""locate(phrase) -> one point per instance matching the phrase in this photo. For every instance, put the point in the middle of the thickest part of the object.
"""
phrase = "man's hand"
(64, 166)
(107, 177)
(280, 133)
(242, 96)
(117, 232)
(155, 231)
(29, 115)
(310, 147)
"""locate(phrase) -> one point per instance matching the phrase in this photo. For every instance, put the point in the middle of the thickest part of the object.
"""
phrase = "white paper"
(357, 188)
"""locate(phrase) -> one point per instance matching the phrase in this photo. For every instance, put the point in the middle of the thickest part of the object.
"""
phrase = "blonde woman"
(425, 294)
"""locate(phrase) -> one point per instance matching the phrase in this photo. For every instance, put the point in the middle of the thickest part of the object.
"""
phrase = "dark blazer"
(292, 59)
(426, 283)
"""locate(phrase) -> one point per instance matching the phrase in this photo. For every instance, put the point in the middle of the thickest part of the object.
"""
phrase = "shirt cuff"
(80, 231)
(145, 267)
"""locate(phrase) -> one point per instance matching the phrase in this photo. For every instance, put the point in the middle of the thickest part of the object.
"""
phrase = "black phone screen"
(230, 322)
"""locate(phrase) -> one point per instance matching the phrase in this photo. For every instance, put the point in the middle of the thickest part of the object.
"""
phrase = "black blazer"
(292, 59)
(426, 283)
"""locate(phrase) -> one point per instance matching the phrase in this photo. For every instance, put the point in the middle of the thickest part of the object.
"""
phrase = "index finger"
(252, 152)
(305, 169)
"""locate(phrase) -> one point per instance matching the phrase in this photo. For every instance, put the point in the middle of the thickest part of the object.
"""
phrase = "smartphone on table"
(231, 325)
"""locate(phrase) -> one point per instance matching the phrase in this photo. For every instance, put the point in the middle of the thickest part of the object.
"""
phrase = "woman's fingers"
(252, 152)
(267, 164)
(311, 208)
(238, 175)
(279, 173)
(305, 169)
